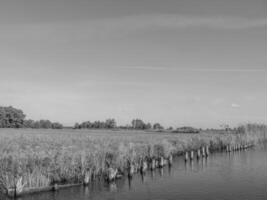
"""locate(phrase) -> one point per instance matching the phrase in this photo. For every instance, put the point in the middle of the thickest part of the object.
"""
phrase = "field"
(34, 158)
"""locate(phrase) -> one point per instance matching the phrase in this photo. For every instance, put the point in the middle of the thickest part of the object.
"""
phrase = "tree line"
(108, 124)
(15, 118)
(136, 124)
(11, 117)
(140, 124)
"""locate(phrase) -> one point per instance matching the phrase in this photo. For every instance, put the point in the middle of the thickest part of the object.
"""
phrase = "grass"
(31, 158)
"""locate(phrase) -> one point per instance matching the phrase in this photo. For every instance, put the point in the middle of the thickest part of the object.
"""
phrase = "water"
(226, 176)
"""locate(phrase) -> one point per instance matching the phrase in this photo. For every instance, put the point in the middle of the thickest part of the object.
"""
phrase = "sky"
(198, 63)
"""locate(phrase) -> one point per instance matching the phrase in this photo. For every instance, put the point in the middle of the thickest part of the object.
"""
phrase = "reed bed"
(39, 158)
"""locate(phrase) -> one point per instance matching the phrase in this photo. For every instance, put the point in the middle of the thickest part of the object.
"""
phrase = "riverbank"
(45, 158)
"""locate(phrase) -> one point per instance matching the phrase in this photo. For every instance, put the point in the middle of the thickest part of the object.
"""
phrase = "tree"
(148, 126)
(28, 123)
(110, 123)
(138, 124)
(37, 124)
(57, 125)
(87, 124)
(11, 117)
(157, 126)
(15, 118)
(45, 124)
(77, 126)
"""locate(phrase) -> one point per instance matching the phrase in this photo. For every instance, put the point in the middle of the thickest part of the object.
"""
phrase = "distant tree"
(86, 124)
(57, 125)
(76, 125)
(28, 123)
(157, 126)
(110, 123)
(97, 124)
(45, 124)
(11, 117)
(186, 129)
(148, 126)
(15, 118)
(170, 128)
(138, 124)
(37, 124)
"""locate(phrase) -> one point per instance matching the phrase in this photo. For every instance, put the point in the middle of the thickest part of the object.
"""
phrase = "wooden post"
(157, 163)
(170, 160)
(192, 155)
(11, 192)
(55, 187)
(203, 152)
(161, 162)
(153, 164)
(143, 166)
(130, 169)
(111, 174)
(86, 179)
(186, 157)
(207, 151)
(198, 154)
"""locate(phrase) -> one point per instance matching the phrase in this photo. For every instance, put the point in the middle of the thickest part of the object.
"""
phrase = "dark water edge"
(226, 176)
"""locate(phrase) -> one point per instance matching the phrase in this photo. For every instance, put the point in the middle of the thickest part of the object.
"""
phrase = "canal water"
(226, 176)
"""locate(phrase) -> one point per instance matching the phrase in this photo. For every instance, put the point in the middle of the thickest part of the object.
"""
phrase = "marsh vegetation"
(33, 158)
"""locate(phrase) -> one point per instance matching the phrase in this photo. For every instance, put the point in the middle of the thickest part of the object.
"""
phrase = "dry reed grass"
(39, 158)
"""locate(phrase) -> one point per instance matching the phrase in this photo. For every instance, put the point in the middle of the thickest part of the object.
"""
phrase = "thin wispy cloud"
(108, 27)
(183, 21)
(192, 69)
(235, 105)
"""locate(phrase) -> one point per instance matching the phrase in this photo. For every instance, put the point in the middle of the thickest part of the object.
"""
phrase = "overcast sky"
(201, 63)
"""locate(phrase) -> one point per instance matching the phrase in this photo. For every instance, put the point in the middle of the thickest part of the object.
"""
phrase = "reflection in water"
(192, 165)
(169, 170)
(185, 165)
(204, 162)
(143, 177)
(152, 174)
(86, 191)
(112, 187)
(229, 176)
(161, 172)
(130, 181)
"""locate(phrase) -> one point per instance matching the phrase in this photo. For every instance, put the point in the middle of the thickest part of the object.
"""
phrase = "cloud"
(234, 105)
(114, 27)
(185, 21)
(161, 68)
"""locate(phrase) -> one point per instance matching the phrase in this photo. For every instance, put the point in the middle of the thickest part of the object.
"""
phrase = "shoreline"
(35, 161)
(29, 191)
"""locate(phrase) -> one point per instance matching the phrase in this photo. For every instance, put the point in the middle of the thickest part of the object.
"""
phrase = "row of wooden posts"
(203, 152)
(238, 147)
(149, 164)
(160, 162)
(143, 166)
